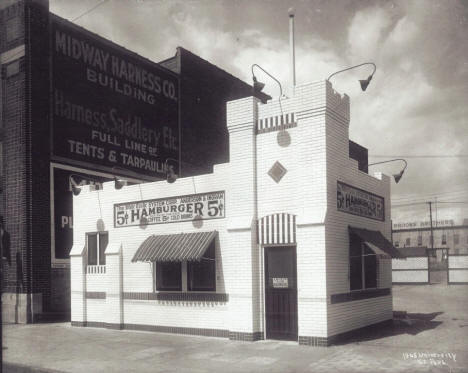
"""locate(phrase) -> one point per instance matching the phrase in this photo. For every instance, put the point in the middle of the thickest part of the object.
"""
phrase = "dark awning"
(174, 247)
(376, 238)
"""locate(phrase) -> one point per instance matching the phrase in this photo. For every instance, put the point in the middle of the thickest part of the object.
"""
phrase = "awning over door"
(174, 247)
(376, 239)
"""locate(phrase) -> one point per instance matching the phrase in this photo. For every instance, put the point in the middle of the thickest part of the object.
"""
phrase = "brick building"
(447, 234)
(288, 240)
(79, 109)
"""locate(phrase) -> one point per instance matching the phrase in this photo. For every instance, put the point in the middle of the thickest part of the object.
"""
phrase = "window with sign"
(363, 264)
(96, 245)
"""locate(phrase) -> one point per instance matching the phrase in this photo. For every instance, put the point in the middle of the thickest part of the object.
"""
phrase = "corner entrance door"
(281, 293)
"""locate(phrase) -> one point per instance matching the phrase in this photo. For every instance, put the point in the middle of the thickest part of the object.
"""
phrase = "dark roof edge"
(179, 48)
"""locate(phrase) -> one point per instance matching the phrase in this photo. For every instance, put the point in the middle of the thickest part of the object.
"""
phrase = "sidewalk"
(431, 338)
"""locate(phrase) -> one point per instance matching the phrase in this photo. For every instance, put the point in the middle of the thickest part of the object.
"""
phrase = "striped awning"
(277, 229)
(174, 247)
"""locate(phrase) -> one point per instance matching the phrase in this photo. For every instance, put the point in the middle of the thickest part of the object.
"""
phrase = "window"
(420, 240)
(444, 239)
(169, 276)
(408, 242)
(457, 251)
(201, 276)
(97, 243)
(456, 239)
(362, 265)
(396, 244)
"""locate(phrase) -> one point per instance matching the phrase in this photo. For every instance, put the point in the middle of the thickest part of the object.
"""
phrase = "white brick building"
(288, 240)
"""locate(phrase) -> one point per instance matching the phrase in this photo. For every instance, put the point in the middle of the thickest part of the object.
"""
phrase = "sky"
(416, 106)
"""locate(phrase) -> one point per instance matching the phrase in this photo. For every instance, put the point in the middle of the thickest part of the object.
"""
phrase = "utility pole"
(292, 48)
(430, 218)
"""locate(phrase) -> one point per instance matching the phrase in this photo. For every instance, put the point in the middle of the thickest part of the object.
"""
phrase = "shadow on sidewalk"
(402, 323)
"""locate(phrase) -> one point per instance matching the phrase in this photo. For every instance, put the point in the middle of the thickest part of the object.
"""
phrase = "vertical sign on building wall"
(111, 107)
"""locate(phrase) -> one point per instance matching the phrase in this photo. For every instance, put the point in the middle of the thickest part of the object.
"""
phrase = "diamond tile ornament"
(277, 171)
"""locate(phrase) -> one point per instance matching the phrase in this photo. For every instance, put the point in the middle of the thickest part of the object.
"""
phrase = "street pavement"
(429, 334)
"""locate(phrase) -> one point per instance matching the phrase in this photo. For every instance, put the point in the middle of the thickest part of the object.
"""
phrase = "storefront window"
(408, 242)
(201, 275)
(420, 240)
(456, 239)
(444, 239)
(97, 243)
(396, 244)
(362, 265)
(168, 276)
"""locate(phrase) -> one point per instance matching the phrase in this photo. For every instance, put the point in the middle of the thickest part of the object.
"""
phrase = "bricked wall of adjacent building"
(13, 137)
(37, 18)
(204, 91)
(25, 143)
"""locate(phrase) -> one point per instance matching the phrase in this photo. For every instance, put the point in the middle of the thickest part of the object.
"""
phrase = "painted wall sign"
(424, 224)
(201, 206)
(111, 107)
(359, 202)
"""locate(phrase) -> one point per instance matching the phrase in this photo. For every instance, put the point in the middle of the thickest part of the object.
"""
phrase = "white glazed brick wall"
(346, 316)
(138, 277)
(302, 192)
(353, 315)
(244, 284)
(77, 289)
(311, 292)
(97, 310)
(176, 314)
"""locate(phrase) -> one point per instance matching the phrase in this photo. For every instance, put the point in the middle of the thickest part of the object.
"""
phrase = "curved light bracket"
(397, 176)
(364, 83)
(171, 175)
(75, 188)
(282, 137)
(258, 86)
